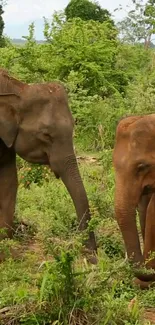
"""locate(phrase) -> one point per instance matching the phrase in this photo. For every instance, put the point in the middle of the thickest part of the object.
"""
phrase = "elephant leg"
(149, 242)
(8, 191)
(142, 209)
(143, 284)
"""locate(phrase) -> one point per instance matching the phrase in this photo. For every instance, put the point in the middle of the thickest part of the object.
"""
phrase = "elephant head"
(134, 164)
(37, 124)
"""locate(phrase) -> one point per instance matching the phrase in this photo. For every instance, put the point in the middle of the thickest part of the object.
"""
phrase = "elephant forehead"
(142, 139)
(55, 88)
(50, 91)
(126, 124)
(57, 91)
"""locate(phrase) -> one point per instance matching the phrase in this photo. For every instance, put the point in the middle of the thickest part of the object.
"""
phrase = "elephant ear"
(9, 118)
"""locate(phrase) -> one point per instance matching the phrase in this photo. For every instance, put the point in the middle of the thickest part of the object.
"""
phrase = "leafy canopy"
(139, 24)
(1, 26)
(87, 10)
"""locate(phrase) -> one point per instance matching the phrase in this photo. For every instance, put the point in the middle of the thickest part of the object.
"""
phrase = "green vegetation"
(49, 281)
(2, 42)
(140, 23)
(87, 10)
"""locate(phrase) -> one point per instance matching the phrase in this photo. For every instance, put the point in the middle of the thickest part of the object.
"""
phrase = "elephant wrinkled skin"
(36, 123)
(134, 164)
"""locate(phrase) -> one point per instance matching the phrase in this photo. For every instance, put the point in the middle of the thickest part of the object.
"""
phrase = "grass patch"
(49, 281)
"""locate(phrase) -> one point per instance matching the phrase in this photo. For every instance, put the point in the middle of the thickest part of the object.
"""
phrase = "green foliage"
(74, 46)
(87, 10)
(101, 75)
(58, 281)
(77, 46)
(33, 174)
(29, 173)
(2, 42)
(139, 25)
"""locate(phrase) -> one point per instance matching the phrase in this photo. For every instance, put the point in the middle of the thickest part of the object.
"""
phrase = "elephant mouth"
(56, 175)
(54, 172)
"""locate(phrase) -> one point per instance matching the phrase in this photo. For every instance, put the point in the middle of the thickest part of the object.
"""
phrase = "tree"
(2, 42)
(149, 14)
(139, 25)
(86, 49)
(87, 10)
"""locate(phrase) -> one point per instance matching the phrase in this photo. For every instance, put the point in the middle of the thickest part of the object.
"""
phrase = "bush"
(29, 174)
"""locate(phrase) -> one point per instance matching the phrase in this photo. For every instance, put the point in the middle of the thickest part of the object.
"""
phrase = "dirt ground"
(149, 315)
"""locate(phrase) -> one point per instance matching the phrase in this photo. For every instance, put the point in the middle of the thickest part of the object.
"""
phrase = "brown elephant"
(134, 164)
(36, 123)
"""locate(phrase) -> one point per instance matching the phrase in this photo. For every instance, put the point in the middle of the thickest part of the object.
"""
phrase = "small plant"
(30, 173)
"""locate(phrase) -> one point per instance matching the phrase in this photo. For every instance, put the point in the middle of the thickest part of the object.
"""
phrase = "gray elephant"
(36, 123)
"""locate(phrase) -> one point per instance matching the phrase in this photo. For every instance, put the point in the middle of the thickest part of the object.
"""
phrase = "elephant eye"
(142, 167)
(46, 135)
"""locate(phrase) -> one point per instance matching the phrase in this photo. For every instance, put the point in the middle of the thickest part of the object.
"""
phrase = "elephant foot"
(90, 243)
(143, 285)
(92, 259)
(144, 272)
(90, 249)
(146, 277)
(90, 255)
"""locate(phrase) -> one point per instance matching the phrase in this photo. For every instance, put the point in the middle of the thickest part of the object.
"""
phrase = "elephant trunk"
(126, 218)
(125, 211)
(72, 180)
